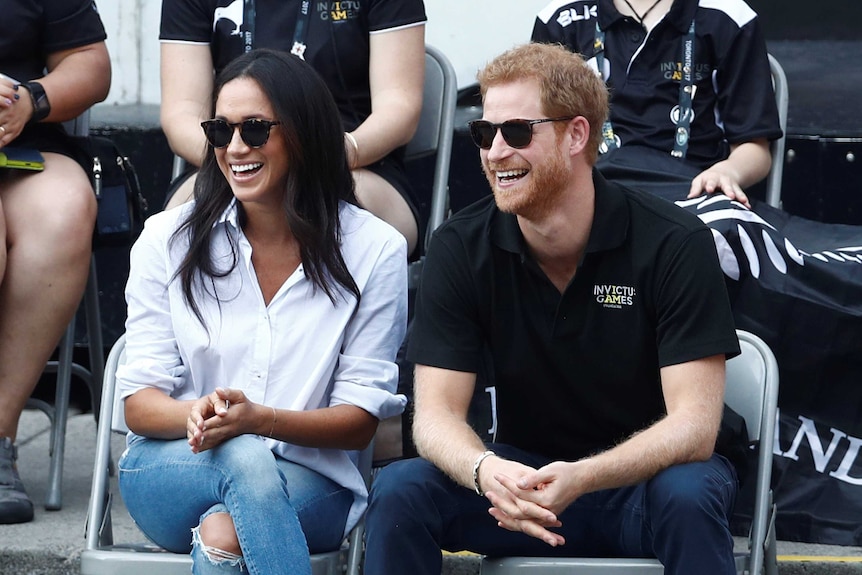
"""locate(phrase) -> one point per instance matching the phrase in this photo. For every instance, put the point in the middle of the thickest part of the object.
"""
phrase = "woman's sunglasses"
(516, 133)
(254, 132)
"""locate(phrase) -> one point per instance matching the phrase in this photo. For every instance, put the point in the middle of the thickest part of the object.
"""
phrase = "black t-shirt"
(32, 29)
(733, 101)
(578, 372)
(337, 37)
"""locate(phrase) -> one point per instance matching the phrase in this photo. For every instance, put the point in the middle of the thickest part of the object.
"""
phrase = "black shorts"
(53, 138)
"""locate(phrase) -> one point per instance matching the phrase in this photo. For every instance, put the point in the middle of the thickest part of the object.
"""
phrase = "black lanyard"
(248, 13)
(300, 34)
(686, 95)
(687, 90)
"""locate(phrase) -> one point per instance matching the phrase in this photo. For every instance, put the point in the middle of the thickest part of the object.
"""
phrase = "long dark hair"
(318, 179)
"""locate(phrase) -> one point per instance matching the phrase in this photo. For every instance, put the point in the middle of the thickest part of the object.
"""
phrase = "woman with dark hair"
(263, 323)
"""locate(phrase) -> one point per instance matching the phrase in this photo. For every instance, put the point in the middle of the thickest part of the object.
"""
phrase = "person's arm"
(747, 164)
(694, 395)
(443, 436)
(440, 429)
(396, 75)
(76, 79)
(186, 85)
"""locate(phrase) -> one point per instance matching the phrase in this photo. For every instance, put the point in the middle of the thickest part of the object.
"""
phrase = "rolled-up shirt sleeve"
(152, 357)
(367, 374)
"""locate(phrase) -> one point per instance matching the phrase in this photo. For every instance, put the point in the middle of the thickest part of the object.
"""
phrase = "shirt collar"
(680, 15)
(229, 216)
(609, 229)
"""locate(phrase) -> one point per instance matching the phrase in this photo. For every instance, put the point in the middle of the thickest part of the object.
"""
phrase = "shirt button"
(637, 37)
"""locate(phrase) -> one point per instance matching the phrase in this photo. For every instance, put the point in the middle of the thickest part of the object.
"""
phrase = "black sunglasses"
(254, 132)
(516, 133)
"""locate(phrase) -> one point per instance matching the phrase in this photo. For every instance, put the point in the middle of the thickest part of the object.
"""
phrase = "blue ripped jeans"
(281, 511)
(680, 516)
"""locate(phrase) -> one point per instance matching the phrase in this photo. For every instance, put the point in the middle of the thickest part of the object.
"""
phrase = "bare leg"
(378, 197)
(49, 226)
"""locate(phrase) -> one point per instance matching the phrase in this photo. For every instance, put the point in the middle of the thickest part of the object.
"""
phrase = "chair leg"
(95, 341)
(54, 498)
(770, 554)
(357, 548)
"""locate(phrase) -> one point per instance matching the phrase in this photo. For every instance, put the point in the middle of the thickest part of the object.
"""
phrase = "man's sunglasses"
(516, 133)
(254, 132)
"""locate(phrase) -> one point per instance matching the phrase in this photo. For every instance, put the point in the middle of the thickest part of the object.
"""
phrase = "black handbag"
(118, 192)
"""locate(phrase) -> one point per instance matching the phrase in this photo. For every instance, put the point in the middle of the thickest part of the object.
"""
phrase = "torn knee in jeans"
(214, 554)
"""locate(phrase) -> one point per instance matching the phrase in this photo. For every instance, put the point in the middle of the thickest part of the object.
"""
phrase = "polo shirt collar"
(609, 229)
(680, 15)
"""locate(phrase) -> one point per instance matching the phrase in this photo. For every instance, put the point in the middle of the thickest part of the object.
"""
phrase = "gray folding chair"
(752, 391)
(64, 366)
(773, 180)
(101, 556)
(436, 131)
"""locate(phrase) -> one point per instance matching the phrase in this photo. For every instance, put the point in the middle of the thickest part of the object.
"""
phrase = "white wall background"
(469, 32)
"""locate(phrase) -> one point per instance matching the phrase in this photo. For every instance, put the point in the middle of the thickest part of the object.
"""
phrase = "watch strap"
(41, 106)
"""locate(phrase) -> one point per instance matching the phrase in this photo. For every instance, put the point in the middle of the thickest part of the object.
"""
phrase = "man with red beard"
(605, 316)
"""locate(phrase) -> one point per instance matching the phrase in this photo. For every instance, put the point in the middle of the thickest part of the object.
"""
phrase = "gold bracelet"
(272, 427)
(352, 140)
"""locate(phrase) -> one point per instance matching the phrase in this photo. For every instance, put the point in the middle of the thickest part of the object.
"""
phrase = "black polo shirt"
(733, 102)
(577, 372)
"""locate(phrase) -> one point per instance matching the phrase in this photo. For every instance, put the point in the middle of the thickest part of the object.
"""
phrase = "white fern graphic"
(777, 255)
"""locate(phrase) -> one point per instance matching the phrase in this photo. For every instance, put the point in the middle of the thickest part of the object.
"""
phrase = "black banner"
(798, 285)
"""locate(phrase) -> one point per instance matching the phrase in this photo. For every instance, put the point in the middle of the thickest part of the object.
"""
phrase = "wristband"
(352, 139)
(479, 460)
(41, 106)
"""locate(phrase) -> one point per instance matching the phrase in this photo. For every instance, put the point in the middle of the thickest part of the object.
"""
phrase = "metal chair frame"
(776, 172)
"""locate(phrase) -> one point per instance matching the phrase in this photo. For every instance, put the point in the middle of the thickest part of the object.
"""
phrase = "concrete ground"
(52, 543)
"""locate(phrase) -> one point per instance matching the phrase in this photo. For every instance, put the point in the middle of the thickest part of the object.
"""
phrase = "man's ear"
(578, 130)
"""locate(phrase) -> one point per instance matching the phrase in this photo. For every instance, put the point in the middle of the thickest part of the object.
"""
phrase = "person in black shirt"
(46, 218)
(641, 48)
(608, 325)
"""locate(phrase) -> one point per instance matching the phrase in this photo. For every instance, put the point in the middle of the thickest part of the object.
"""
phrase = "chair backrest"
(115, 358)
(79, 126)
(751, 389)
(436, 130)
(773, 180)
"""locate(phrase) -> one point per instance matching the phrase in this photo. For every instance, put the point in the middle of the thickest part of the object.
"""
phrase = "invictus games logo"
(614, 296)
(339, 10)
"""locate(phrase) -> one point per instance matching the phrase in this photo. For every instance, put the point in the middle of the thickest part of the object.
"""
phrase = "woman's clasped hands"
(219, 416)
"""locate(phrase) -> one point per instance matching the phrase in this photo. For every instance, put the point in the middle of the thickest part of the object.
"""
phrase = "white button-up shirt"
(300, 352)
